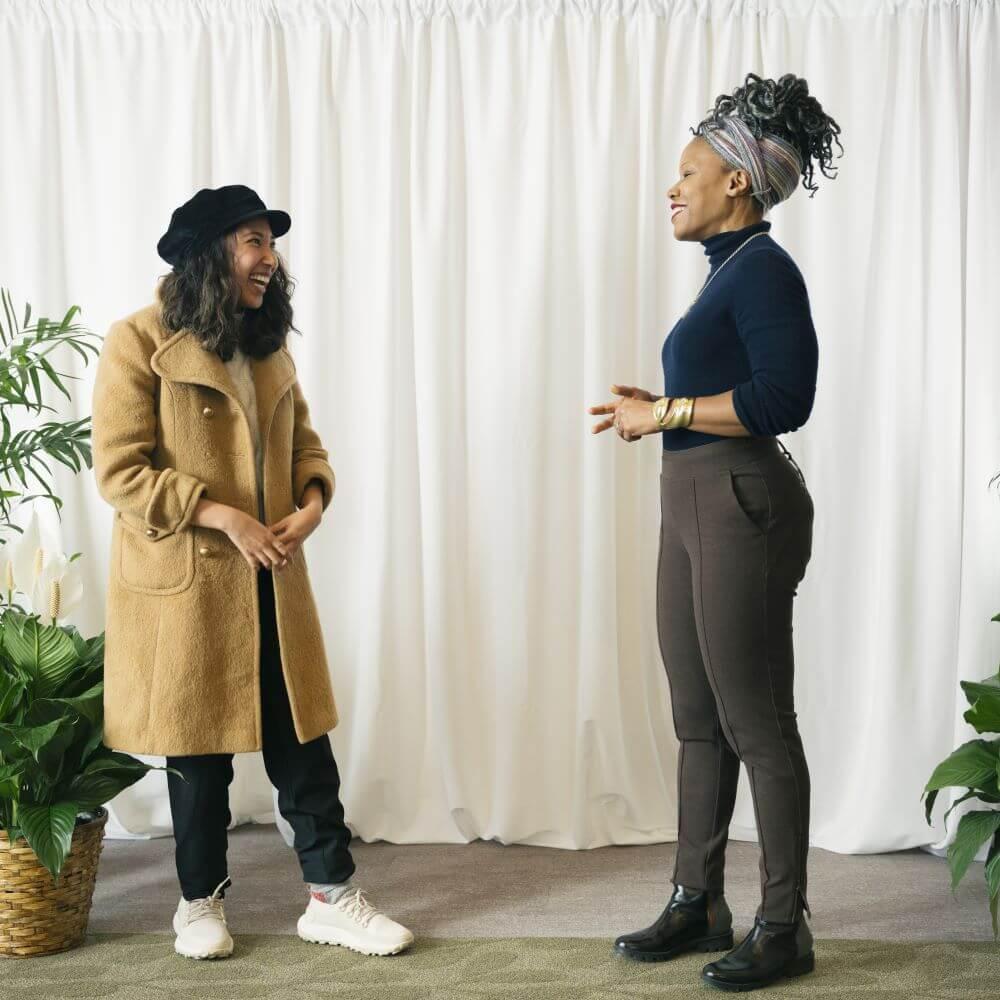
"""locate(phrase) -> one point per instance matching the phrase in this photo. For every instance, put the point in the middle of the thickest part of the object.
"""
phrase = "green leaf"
(957, 802)
(987, 686)
(993, 881)
(79, 643)
(8, 308)
(984, 716)
(993, 867)
(11, 690)
(89, 704)
(30, 738)
(44, 651)
(49, 756)
(87, 674)
(52, 757)
(49, 832)
(10, 780)
(974, 829)
(929, 805)
(972, 765)
(36, 384)
(104, 777)
(93, 744)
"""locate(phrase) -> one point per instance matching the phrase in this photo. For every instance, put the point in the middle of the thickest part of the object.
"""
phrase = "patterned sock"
(329, 893)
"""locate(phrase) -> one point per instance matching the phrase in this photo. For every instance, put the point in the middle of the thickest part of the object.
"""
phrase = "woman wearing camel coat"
(204, 448)
(182, 612)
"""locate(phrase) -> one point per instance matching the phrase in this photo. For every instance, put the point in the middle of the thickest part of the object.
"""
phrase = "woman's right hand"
(256, 542)
(626, 392)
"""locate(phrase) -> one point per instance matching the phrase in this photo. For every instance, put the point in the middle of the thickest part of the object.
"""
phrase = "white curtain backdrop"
(482, 245)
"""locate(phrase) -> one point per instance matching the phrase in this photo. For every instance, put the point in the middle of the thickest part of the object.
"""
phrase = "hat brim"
(280, 222)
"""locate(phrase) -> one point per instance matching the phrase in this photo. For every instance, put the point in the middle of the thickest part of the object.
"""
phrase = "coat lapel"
(273, 376)
(181, 358)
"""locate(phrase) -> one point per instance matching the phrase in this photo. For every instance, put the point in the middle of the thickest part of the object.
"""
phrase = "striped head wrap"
(774, 165)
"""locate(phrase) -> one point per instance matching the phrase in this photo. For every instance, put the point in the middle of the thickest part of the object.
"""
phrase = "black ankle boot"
(694, 920)
(769, 952)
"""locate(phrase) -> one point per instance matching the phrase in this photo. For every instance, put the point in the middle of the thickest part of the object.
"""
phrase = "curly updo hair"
(200, 294)
(785, 108)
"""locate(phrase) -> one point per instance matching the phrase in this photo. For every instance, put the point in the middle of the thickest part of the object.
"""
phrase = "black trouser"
(735, 539)
(305, 775)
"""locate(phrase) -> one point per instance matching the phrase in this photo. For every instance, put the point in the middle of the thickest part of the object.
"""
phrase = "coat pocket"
(753, 498)
(159, 564)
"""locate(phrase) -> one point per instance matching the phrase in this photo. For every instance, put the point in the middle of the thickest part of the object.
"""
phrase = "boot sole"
(721, 942)
(800, 967)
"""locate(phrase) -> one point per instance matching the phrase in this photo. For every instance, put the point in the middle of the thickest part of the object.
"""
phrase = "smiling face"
(710, 197)
(254, 261)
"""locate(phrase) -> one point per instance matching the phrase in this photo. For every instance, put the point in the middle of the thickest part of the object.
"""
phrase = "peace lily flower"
(7, 576)
(28, 556)
(57, 589)
(35, 565)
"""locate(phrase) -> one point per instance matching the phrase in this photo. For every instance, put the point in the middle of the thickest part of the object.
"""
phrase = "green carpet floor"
(127, 966)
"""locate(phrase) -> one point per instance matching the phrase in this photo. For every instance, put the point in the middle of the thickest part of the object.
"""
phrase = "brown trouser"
(735, 539)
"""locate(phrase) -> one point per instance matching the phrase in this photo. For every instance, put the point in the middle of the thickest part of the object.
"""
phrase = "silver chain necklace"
(711, 277)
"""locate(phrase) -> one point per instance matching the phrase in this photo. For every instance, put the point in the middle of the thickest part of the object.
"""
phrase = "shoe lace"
(357, 907)
(209, 906)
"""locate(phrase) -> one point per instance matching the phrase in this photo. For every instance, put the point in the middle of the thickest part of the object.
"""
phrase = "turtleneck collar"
(721, 245)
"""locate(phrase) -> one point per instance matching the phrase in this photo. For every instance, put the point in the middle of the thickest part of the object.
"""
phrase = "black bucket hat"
(209, 214)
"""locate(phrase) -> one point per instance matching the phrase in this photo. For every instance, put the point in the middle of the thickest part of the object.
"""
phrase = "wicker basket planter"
(37, 917)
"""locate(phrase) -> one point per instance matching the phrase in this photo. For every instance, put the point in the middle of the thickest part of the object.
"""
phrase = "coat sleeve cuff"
(308, 470)
(175, 496)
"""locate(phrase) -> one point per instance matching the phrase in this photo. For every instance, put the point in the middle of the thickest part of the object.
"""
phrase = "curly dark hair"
(784, 108)
(199, 294)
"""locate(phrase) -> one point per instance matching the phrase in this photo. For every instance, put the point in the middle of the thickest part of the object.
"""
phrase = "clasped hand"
(272, 546)
(631, 416)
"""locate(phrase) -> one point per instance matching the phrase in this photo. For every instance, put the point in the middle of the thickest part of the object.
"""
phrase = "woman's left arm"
(774, 323)
(633, 418)
(717, 415)
(313, 495)
(310, 460)
(312, 481)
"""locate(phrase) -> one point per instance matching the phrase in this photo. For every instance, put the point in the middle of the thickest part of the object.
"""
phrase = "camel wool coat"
(182, 635)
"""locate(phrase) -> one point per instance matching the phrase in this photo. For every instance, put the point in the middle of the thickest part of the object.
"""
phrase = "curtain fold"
(482, 246)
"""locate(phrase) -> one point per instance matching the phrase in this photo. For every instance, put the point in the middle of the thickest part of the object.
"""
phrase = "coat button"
(208, 411)
(204, 551)
(151, 532)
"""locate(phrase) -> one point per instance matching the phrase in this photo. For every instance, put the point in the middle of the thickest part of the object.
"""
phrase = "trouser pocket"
(753, 497)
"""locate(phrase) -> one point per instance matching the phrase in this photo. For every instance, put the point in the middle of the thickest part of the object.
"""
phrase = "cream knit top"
(240, 371)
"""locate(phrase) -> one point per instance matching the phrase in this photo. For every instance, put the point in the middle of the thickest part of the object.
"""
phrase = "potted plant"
(55, 772)
(975, 766)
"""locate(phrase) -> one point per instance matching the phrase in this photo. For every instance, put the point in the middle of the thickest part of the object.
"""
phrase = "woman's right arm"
(123, 435)
(258, 545)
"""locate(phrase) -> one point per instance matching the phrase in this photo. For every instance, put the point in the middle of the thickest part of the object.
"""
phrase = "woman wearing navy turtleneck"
(736, 529)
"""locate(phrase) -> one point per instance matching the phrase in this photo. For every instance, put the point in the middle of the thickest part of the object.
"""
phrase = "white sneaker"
(354, 923)
(200, 926)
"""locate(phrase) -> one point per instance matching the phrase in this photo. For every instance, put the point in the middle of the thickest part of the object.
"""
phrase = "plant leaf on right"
(975, 766)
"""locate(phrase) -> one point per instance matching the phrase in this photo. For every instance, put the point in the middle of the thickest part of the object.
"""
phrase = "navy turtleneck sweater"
(751, 331)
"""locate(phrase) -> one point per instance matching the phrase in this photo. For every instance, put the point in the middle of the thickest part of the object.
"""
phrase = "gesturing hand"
(631, 416)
